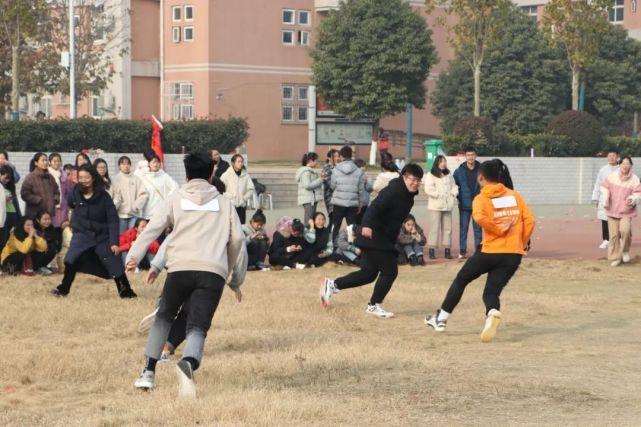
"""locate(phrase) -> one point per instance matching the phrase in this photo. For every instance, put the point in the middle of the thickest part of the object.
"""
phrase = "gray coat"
(348, 184)
(310, 186)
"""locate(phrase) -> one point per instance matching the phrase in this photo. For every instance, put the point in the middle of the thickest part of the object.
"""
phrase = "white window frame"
(173, 13)
(298, 109)
(95, 113)
(532, 11)
(301, 38)
(176, 34)
(174, 90)
(298, 93)
(282, 17)
(186, 91)
(282, 115)
(614, 9)
(185, 39)
(282, 92)
(175, 112)
(309, 18)
(188, 6)
(282, 37)
(183, 108)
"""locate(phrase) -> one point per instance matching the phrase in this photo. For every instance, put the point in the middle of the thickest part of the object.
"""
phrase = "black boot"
(124, 288)
(413, 261)
(432, 254)
(448, 253)
(421, 260)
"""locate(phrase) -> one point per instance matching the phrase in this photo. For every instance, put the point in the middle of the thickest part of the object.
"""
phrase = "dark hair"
(124, 159)
(5, 154)
(387, 163)
(149, 155)
(98, 183)
(469, 149)
(54, 155)
(412, 169)
(436, 171)
(317, 214)
(138, 221)
(34, 160)
(626, 158)
(309, 157)
(298, 226)
(346, 152)
(198, 166)
(68, 166)
(259, 216)
(235, 156)
(410, 217)
(39, 216)
(106, 177)
(330, 154)
(360, 163)
(83, 155)
(613, 150)
(18, 230)
(497, 172)
(7, 170)
(218, 183)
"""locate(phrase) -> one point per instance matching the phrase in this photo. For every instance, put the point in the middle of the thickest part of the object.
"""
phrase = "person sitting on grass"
(347, 252)
(321, 245)
(23, 241)
(257, 241)
(411, 241)
(289, 248)
(53, 236)
(128, 238)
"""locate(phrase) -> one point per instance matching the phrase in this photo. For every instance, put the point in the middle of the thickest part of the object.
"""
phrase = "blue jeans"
(464, 222)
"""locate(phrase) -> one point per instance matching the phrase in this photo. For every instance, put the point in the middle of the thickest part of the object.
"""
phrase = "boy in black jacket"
(381, 225)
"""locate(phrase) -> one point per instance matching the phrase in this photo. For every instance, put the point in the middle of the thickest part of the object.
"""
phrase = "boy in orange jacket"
(507, 224)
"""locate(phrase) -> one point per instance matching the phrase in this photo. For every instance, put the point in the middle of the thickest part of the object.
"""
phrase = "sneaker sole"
(146, 322)
(324, 303)
(489, 333)
(426, 321)
(186, 386)
(390, 316)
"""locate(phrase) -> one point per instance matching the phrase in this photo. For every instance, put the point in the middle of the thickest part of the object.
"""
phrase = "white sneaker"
(186, 385)
(287, 267)
(378, 311)
(44, 271)
(626, 257)
(300, 266)
(147, 321)
(438, 326)
(146, 380)
(491, 324)
(604, 245)
(615, 263)
(327, 289)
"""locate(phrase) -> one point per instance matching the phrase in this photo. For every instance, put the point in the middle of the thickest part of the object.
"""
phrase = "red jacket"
(129, 237)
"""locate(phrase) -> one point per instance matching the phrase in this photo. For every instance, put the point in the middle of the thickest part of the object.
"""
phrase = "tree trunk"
(477, 90)
(15, 71)
(576, 83)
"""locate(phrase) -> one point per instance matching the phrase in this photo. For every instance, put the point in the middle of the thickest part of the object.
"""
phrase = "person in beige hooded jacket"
(204, 246)
(238, 185)
(129, 195)
(441, 192)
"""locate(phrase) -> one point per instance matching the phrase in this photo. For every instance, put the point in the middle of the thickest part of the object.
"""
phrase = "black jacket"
(53, 236)
(222, 167)
(280, 243)
(322, 239)
(385, 216)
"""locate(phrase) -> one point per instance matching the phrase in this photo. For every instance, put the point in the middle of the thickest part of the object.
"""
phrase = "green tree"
(524, 83)
(613, 93)
(472, 26)
(577, 26)
(372, 58)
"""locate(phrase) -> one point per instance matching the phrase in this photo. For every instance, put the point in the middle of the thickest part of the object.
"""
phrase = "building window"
(189, 13)
(186, 112)
(303, 17)
(288, 114)
(304, 38)
(289, 17)
(294, 103)
(302, 114)
(95, 106)
(186, 91)
(615, 13)
(176, 13)
(288, 37)
(531, 11)
(175, 34)
(288, 93)
(302, 93)
(189, 34)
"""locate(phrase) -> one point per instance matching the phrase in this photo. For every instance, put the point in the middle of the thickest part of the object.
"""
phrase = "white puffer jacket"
(159, 186)
(441, 192)
(239, 189)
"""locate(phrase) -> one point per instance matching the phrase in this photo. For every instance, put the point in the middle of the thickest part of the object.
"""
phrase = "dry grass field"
(568, 352)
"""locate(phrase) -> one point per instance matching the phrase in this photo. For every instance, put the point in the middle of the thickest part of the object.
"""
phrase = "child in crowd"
(321, 244)
(289, 248)
(67, 234)
(347, 252)
(53, 236)
(257, 241)
(411, 241)
(23, 241)
(368, 185)
(68, 169)
(128, 238)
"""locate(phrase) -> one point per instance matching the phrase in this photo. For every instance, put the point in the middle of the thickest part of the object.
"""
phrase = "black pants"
(361, 215)
(199, 291)
(499, 268)
(381, 264)
(122, 282)
(291, 259)
(257, 251)
(338, 214)
(9, 223)
(242, 213)
(13, 263)
(42, 259)
(605, 230)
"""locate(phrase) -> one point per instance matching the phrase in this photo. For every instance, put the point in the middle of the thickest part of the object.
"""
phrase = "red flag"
(156, 144)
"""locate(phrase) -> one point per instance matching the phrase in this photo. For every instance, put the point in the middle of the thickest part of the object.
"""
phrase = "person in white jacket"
(597, 196)
(129, 195)
(239, 186)
(389, 171)
(159, 186)
(441, 199)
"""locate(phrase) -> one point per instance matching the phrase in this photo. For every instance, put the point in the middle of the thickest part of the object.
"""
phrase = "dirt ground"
(566, 353)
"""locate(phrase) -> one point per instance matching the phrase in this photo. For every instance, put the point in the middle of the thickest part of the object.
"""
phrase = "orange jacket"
(496, 206)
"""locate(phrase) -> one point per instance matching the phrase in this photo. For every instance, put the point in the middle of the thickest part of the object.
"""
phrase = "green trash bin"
(433, 148)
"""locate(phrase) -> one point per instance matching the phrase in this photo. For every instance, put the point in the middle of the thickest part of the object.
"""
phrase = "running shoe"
(300, 266)
(433, 322)
(44, 271)
(147, 321)
(615, 263)
(626, 257)
(327, 289)
(146, 380)
(378, 311)
(56, 293)
(186, 385)
(491, 324)
(604, 245)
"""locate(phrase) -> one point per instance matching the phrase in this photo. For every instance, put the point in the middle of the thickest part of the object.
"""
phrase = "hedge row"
(121, 136)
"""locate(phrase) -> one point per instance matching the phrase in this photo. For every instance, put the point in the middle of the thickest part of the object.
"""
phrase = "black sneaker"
(56, 293)
(413, 261)
(128, 293)
(421, 260)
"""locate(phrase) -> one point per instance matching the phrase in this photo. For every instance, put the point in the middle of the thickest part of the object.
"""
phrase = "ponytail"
(504, 175)
(496, 171)
(259, 216)
(309, 157)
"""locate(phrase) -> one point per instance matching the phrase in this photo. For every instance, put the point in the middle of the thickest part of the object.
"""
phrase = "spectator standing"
(466, 178)
(159, 186)
(81, 159)
(239, 187)
(347, 188)
(220, 166)
(129, 195)
(12, 207)
(389, 171)
(39, 189)
(4, 161)
(367, 190)
(330, 163)
(441, 198)
(310, 185)
(103, 170)
(597, 197)
(64, 186)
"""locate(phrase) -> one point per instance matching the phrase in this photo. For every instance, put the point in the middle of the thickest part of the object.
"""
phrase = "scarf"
(623, 177)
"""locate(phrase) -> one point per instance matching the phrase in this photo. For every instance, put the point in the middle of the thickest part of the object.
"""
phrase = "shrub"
(583, 130)
(625, 144)
(121, 135)
(544, 145)
(476, 131)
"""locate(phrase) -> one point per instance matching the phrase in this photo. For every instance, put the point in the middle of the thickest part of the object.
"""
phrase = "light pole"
(72, 63)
